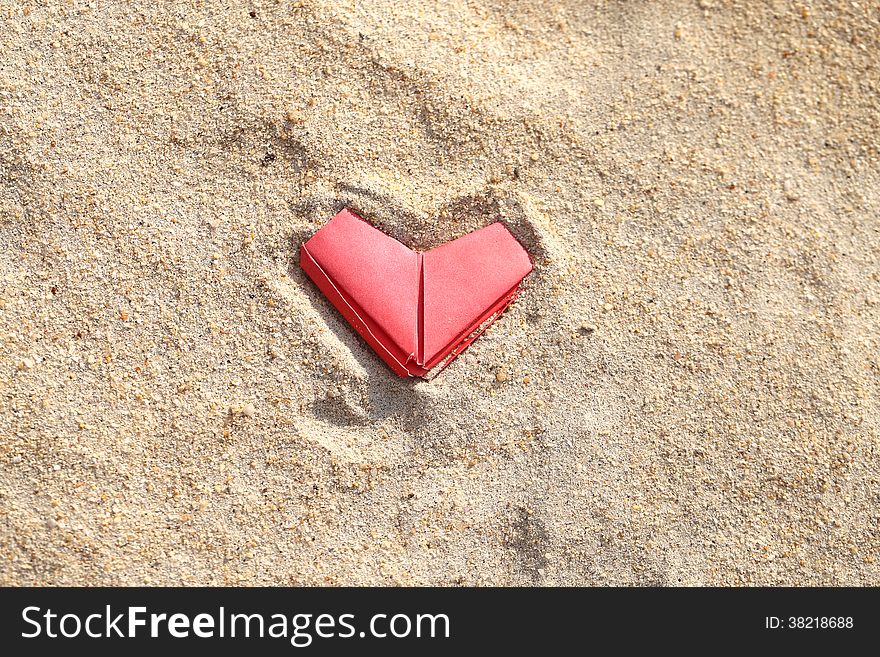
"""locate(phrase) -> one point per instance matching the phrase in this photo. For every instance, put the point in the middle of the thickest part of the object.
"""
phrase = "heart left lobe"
(374, 282)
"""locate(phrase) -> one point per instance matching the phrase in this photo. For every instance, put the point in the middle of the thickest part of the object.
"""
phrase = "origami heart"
(416, 310)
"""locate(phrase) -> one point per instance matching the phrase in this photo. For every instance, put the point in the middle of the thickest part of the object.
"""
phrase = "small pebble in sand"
(501, 375)
(248, 410)
(26, 364)
(16, 459)
(607, 307)
(587, 328)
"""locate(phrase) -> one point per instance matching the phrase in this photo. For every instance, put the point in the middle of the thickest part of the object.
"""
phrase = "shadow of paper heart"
(375, 393)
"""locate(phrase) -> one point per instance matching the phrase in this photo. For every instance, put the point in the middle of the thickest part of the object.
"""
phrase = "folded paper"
(416, 310)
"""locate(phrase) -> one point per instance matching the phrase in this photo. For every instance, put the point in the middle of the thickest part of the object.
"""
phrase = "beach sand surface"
(685, 392)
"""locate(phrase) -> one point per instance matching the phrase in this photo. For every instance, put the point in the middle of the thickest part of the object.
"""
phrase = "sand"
(685, 393)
